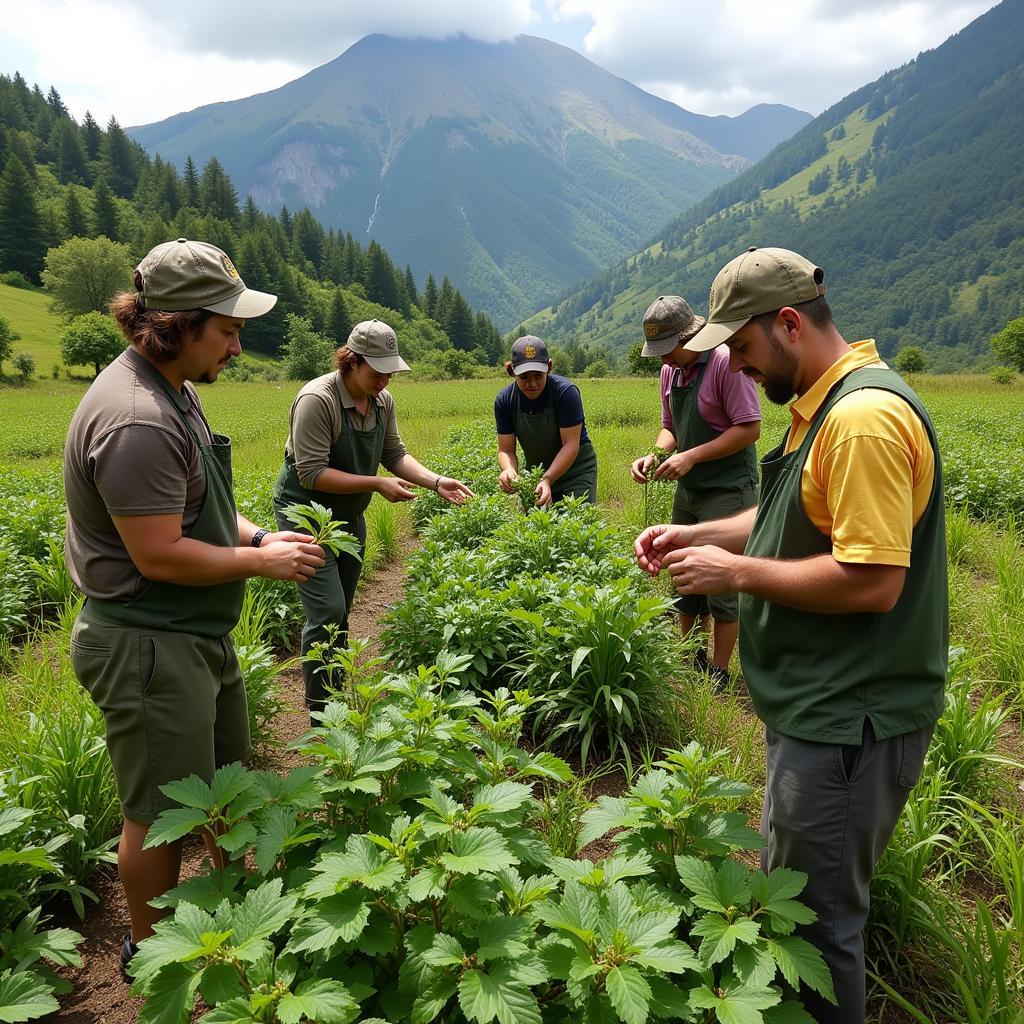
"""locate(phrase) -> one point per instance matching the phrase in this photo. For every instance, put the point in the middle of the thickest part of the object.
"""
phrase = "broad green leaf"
(629, 993)
(670, 958)
(497, 996)
(446, 951)
(426, 883)
(361, 862)
(33, 856)
(799, 961)
(378, 938)
(280, 831)
(502, 937)
(229, 781)
(220, 984)
(234, 1011)
(206, 891)
(476, 850)
(725, 833)
(473, 896)
(339, 918)
(738, 1005)
(577, 659)
(501, 798)
(547, 766)
(178, 939)
(618, 866)
(789, 1012)
(240, 836)
(25, 996)
(263, 912)
(754, 966)
(577, 913)
(530, 970)
(431, 1000)
(775, 893)
(28, 943)
(720, 936)
(191, 792)
(667, 999)
(170, 996)
(610, 812)
(170, 826)
(318, 999)
(723, 890)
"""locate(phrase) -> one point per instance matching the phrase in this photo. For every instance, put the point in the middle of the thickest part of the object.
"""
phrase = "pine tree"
(217, 195)
(379, 278)
(338, 325)
(308, 236)
(76, 222)
(104, 211)
(286, 222)
(459, 324)
(118, 161)
(92, 136)
(430, 297)
(68, 153)
(22, 245)
(332, 260)
(191, 184)
(250, 215)
(410, 286)
(56, 104)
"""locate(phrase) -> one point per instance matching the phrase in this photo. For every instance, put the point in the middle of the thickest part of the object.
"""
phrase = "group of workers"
(830, 568)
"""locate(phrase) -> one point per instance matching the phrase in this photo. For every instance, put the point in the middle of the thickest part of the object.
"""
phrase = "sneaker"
(128, 950)
(719, 676)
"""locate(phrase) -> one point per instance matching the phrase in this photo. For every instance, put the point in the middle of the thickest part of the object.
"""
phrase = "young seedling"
(526, 487)
(325, 531)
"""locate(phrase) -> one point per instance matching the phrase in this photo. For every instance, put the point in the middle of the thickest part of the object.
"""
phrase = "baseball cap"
(668, 321)
(377, 343)
(529, 354)
(758, 281)
(181, 275)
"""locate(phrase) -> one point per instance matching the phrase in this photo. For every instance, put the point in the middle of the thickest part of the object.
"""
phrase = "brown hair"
(816, 310)
(345, 359)
(160, 334)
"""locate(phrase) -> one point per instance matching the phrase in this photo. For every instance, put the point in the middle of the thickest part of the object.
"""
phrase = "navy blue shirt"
(557, 390)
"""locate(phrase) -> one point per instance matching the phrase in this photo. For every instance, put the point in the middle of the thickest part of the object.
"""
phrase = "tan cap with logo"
(668, 321)
(181, 275)
(376, 342)
(758, 281)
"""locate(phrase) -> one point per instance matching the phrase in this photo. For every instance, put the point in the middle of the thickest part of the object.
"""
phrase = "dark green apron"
(203, 611)
(733, 472)
(327, 597)
(541, 441)
(818, 676)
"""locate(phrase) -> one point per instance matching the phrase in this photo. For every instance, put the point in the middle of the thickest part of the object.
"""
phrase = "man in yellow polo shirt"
(841, 571)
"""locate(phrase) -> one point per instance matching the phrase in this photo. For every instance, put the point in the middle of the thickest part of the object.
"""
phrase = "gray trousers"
(830, 810)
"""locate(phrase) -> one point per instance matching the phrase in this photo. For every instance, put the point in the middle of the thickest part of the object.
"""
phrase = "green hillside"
(28, 312)
(907, 192)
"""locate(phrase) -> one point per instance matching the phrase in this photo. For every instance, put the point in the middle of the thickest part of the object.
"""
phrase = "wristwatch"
(257, 537)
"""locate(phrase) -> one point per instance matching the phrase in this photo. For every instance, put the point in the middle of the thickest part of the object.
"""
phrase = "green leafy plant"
(525, 487)
(27, 982)
(316, 520)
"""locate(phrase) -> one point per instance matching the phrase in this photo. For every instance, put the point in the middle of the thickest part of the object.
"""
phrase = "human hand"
(656, 542)
(291, 560)
(675, 467)
(704, 569)
(507, 480)
(641, 467)
(543, 492)
(454, 491)
(285, 535)
(394, 489)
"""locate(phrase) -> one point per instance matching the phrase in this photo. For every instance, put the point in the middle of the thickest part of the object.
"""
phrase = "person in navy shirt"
(544, 413)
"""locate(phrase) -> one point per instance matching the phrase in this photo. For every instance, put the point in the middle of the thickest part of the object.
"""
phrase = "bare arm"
(735, 439)
(508, 462)
(416, 473)
(160, 552)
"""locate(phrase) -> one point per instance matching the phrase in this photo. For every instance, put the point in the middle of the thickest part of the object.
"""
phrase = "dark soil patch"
(100, 996)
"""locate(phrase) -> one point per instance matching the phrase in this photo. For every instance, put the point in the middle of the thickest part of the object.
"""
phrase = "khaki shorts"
(698, 507)
(173, 705)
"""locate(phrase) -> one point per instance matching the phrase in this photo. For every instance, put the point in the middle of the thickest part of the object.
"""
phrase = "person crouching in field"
(544, 413)
(156, 545)
(342, 426)
(710, 420)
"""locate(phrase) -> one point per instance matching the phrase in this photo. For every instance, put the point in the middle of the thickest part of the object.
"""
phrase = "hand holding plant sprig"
(325, 531)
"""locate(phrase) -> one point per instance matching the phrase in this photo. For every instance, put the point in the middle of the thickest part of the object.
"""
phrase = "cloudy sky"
(143, 61)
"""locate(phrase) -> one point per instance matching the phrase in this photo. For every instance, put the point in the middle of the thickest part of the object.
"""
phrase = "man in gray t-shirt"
(155, 543)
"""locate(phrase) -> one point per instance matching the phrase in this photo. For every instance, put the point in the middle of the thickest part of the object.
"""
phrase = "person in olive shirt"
(843, 610)
(710, 420)
(157, 547)
(544, 413)
(342, 426)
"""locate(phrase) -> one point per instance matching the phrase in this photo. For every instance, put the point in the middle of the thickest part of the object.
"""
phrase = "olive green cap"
(758, 281)
(668, 321)
(182, 275)
(377, 343)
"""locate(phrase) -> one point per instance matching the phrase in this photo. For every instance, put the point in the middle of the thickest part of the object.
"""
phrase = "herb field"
(451, 847)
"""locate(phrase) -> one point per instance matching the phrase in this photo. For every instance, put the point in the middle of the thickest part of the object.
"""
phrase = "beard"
(780, 377)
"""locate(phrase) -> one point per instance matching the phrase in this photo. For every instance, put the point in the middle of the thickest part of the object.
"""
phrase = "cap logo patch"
(651, 329)
(389, 344)
(529, 351)
(230, 268)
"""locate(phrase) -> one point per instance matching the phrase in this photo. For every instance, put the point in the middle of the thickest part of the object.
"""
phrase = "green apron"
(327, 596)
(732, 473)
(541, 441)
(818, 676)
(210, 611)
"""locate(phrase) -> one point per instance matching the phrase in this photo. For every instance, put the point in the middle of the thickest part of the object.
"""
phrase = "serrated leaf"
(726, 833)
(476, 850)
(264, 911)
(234, 1011)
(204, 891)
(577, 913)
(171, 825)
(190, 792)
(667, 999)
(720, 936)
(738, 1005)
(799, 961)
(220, 984)
(611, 812)
(178, 939)
(281, 831)
(619, 866)
(546, 766)
(789, 1012)
(445, 951)
(497, 996)
(501, 798)
(24, 996)
(228, 782)
(629, 993)
(361, 862)
(722, 890)
(502, 937)
(775, 893)
(320, 1000)
(754, 966)
(473, 896)
(426, 883)
(339, 918)
(670, 958)
(34, 857)
(431, 1000)
(170, 996)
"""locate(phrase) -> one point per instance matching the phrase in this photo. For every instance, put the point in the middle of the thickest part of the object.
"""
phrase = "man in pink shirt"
(710, 420)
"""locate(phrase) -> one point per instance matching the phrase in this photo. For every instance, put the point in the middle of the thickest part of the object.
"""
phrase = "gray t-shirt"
(318, 416)
(128, 453)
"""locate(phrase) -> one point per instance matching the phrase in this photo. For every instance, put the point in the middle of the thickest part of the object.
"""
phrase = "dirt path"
(99, 995)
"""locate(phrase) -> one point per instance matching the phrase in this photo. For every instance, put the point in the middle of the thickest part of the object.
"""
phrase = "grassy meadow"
(959, 841)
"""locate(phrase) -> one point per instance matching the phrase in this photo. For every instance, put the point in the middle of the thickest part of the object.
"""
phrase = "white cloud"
(144, 62)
